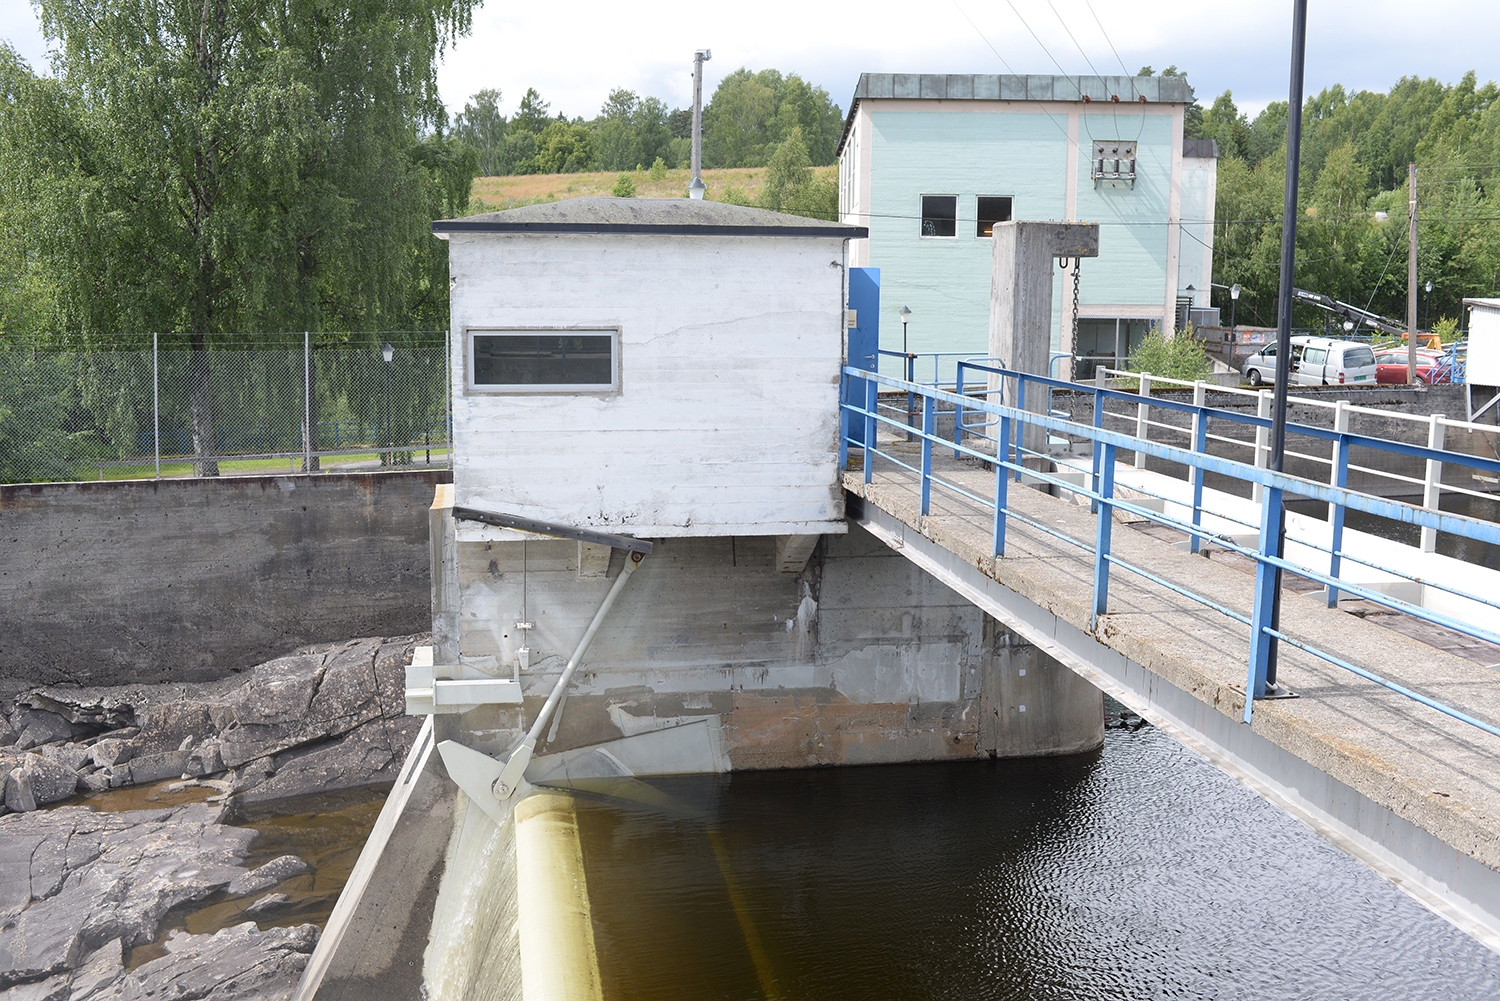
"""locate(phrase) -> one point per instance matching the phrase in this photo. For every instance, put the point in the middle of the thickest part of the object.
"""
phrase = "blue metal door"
(862, 342)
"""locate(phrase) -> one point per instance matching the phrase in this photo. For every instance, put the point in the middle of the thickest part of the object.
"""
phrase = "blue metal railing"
(1001, 426)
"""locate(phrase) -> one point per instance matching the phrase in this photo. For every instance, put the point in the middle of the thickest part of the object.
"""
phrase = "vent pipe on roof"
(696, 188)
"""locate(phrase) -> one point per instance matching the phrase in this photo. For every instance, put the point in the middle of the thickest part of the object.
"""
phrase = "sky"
(575, 53)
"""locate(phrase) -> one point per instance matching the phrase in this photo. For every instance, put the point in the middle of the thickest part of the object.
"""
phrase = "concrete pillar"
(1032, 706)
(1024, 255)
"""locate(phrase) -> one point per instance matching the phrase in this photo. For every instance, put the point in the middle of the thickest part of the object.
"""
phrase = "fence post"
(1021, 425)
(911, 400)
(928, 416)
(306, 402)
(872, 400)
(1142, 417)
(1200, 446)
(1002, 484)
(1432, 493)
(1338, 478)
(155, 403)
(1262, 440)
(1265, 600)
(1101, 377)
(1102, 536)
(958, 408)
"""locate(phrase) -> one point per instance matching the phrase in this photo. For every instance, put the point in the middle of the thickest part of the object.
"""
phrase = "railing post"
(845, 416)
(1102, 536)
(929, 405)
(958, 409)
(1432, 493)
(1021, 427)
(1094, 448)
(911, 400)
(1101, 377)
(155, 405)
(1002, 484)
(1265, 600)
(1262, 440)
(1142, 419)
(1200, 446)
(872, 401)
(1338, 478)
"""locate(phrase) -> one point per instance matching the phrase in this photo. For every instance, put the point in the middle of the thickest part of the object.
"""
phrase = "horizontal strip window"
(544, 361)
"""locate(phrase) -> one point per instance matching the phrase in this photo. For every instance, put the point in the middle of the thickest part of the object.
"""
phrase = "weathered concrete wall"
(863, 659)
(188, 580)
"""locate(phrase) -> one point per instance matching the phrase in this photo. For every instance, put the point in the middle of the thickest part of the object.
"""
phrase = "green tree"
(533, 115)
(751, 114)
(482, 126)
(792, 187)
(1180, 357)
(564, 148)
(264, 154)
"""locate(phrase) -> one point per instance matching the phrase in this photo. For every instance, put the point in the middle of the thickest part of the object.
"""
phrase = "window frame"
(543, 389)
(979, 222)
(922, 217)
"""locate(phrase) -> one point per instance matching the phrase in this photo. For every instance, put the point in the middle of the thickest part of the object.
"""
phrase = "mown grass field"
(493, 193)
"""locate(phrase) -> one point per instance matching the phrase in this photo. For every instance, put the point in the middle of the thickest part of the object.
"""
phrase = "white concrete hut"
(649, 367)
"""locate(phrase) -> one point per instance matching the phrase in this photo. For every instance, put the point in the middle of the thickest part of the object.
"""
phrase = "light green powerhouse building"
(930, 162)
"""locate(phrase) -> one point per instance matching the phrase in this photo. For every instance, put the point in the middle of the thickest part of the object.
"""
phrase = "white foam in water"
(474, 952)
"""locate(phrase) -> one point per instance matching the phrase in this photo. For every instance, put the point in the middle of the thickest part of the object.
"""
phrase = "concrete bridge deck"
(1410, 791)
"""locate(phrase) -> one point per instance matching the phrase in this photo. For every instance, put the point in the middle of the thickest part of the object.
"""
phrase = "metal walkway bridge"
(1139, 558)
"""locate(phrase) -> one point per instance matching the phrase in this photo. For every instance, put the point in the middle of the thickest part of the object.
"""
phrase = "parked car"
(1391, 365)
(1316, 361)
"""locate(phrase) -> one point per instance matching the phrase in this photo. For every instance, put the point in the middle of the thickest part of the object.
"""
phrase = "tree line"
(749, 116)
(1353, 198)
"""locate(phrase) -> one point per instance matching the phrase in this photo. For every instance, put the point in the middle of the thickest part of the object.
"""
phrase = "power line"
(1037, 37)
(1107, 39)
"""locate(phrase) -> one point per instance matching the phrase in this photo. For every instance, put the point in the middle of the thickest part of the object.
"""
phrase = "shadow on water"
(1137, 872)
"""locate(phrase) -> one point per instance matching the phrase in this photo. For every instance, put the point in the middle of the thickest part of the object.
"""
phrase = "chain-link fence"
(175, 405)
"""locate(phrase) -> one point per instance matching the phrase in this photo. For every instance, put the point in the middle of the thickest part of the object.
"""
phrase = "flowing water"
(1140, 871)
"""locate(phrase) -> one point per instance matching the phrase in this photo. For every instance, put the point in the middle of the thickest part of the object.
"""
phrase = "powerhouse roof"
(1014, 87)
(658, 216)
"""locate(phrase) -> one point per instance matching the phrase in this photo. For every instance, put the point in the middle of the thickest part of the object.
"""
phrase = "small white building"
(649, 367)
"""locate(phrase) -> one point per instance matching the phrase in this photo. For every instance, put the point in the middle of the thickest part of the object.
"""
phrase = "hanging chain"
(1075, 305)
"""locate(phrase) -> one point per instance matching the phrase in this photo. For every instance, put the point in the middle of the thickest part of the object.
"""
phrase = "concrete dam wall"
(187, 580)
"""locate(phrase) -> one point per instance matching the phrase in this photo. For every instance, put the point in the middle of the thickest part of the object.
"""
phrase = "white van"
(1316, 361)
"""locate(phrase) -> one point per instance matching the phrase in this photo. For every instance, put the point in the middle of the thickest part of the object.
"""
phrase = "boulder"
(282, 868)
(370, 755)
(38, 781)
(8, 733)
(68, 755)
(111, 751)
(270, 902)
(36, 727)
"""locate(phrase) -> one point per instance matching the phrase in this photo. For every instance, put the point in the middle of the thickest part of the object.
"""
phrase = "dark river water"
(1137, 872)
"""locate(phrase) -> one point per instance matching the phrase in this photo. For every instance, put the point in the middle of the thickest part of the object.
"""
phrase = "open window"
(992, 209)
(543, 361)
(939, 215)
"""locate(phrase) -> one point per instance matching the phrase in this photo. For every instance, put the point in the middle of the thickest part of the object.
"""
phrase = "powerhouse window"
(992, 209)
(939, 215)
(538, 361)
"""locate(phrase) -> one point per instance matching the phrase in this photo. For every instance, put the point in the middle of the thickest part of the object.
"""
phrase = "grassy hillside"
(492, 193)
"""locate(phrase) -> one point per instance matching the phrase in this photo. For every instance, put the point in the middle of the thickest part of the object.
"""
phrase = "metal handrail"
(1100, 494)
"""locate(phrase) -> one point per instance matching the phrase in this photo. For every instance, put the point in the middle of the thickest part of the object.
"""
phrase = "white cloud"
(575, 53)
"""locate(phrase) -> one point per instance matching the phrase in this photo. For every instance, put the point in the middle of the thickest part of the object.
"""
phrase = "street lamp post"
(1427, 311)
(387, 353)
(910, 399)
(1234, 301)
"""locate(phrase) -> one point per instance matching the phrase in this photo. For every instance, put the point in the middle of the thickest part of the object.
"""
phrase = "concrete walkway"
(1404, 769)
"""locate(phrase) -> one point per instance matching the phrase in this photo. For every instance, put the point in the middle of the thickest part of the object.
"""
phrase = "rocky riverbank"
(326, 717)
(80, 889)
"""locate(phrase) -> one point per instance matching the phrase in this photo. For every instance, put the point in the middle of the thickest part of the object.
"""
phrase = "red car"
(1390, 365)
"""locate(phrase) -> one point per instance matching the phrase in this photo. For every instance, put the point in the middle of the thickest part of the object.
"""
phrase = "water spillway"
(1114, 875)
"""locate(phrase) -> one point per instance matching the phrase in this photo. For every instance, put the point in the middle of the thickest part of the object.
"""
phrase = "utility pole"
(1268, 576)
(1411, 279)
(696, 188)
